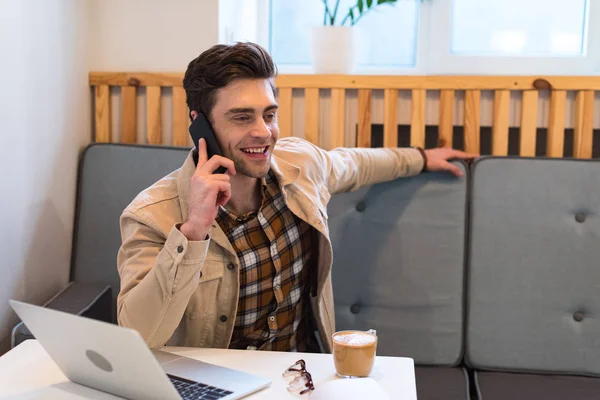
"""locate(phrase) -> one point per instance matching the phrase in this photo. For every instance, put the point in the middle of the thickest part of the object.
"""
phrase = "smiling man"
(243, 259)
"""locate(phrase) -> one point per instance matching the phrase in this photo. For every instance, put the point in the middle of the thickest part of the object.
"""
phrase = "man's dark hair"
(216, 67)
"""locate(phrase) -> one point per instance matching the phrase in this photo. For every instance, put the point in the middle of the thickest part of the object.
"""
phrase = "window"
(386, 35)
(514, 37)
(516, 27)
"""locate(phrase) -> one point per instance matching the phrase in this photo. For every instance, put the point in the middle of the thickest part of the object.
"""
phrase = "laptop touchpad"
(211, 374)
(163, 357)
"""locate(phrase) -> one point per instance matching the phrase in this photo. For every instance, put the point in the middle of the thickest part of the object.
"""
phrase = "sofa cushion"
(398, 264)
(110, 176)
(435, 383)
(503, 385)
(533, 275)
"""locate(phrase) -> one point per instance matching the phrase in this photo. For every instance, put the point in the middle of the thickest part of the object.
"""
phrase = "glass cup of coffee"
(354, 352)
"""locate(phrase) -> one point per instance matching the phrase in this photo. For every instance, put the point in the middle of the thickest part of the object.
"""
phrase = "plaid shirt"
(273, 246)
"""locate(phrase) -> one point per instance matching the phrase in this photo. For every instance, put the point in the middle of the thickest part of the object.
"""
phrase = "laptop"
(117, 360)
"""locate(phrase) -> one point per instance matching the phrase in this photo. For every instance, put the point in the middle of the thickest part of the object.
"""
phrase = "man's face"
(244, 119)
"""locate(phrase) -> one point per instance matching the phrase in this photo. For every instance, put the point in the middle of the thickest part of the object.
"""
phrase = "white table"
(28, 372)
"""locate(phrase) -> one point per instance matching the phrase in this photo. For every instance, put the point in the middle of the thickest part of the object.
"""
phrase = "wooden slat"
(153, 115)
(390, 118)
(338, 102)
(128, 114)
(456, 82)
(181, 119)
(529, 106)
(437, 82)
(500, 124)
(556, 124)
(417, 119)
(364, 118)
(102, 113)
(136, 78)
(584, 121)
(284, 113)
(446, 125)
(472, 120)
(311, 115)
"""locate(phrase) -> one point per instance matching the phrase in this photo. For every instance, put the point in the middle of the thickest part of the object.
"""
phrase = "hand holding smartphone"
(201, 128)
(209, 188)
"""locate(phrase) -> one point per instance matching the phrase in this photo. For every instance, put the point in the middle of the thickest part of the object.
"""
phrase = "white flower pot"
(333, 49)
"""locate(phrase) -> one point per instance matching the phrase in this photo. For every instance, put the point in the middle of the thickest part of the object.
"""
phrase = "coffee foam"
(355, 338)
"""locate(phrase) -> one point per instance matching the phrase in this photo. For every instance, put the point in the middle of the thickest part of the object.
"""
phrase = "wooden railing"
(311, 86)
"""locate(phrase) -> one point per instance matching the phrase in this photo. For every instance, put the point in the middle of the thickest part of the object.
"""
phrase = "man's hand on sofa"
(438, 159)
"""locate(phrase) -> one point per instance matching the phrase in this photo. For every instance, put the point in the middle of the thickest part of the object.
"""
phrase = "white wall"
(44, 123)
(150, 35)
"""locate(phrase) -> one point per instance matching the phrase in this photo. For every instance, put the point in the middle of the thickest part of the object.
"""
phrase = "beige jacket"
(179, 292)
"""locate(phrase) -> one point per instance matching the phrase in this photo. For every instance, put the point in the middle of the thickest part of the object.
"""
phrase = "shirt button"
(277, 287)
(272, 318)
(230, 266)
(180, 249)
(223, 318)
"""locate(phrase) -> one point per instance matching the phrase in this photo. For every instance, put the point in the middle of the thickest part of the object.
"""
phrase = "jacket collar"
(286, 173)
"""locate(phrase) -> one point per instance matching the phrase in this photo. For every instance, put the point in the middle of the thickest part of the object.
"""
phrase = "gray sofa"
(490, 282)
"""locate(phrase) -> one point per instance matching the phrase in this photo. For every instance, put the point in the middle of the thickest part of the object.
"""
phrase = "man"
(243, 259)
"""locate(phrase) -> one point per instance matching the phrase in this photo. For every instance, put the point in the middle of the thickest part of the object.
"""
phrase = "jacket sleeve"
(348, 169)
(158, 276)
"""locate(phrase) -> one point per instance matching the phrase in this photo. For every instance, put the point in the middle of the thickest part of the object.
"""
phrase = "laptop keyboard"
(194, 390)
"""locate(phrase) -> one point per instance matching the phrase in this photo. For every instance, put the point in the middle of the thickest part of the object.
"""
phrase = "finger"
(453, 169)
(219, 161)
(223, 199)
(224, 192)
(202, 155)
(462, 154)
(219, 177)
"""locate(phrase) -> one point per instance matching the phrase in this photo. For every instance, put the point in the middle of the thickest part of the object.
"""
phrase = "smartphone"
(200, 128)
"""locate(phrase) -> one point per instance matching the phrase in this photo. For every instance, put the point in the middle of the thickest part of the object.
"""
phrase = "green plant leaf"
(335, 10)
(360, 8)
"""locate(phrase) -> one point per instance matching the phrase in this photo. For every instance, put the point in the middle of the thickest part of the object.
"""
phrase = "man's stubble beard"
(242, 167)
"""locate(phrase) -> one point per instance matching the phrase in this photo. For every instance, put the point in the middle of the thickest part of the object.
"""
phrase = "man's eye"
(270, 117)
(242, 118)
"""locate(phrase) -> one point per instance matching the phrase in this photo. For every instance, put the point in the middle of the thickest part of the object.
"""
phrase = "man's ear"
(193, 114)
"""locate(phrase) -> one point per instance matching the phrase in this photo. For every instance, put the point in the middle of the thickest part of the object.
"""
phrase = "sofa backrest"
(399, 255)
(110, 176)
(534, 266)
